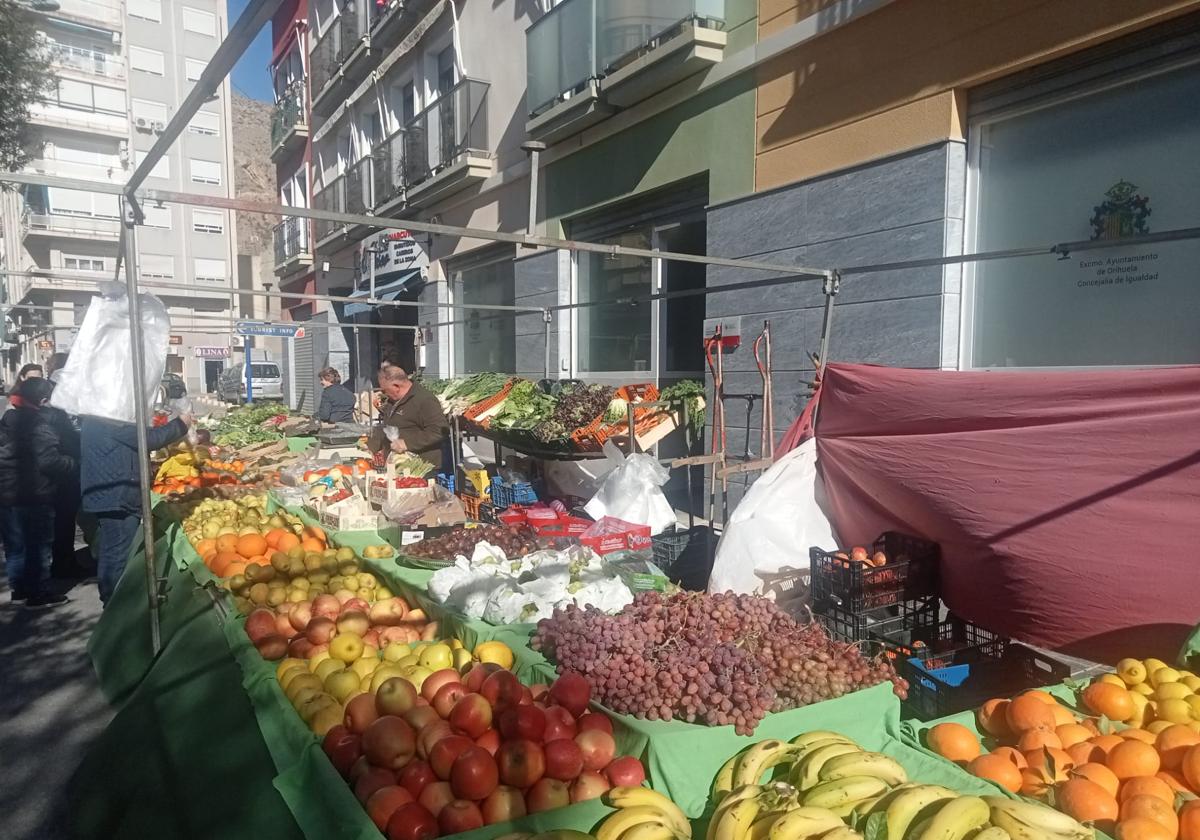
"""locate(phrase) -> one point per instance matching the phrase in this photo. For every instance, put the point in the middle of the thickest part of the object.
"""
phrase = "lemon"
(1194, 702)
(1171, 691)
(1192, 682)
(436, 657)
(1131, 671)
(1164, 675)
(1176, 711)
(1152, 665)
(1157, 726)
(1143, 711)
(1143, 689)
(1111, 679)
(497, 653)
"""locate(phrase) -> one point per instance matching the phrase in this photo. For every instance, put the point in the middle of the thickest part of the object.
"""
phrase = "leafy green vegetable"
(463, 393)
(243, 426)
(412, 465)
(693, 392)
(524, 407)
(576, 408)
(617, 411)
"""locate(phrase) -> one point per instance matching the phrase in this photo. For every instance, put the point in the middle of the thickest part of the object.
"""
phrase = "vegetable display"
(515, 542)
(408, 465)
(576, 407)
(693, 392)
(524, 408)
(463, 393)
(244, 425)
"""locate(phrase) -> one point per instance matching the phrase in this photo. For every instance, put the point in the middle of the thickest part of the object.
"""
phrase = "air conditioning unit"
(158, 126)
(142, 124)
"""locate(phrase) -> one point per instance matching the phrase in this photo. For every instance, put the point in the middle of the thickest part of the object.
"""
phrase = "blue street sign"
(272, 330)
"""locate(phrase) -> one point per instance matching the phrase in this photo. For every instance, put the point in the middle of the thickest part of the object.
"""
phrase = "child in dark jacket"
(35, 466)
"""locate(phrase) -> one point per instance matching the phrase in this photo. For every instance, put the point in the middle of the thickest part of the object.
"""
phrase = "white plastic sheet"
(764, 549)
(632, 491)
(98, 378)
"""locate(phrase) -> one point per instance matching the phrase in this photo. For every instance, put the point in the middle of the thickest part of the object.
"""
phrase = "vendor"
(414, 412)
(337, 402)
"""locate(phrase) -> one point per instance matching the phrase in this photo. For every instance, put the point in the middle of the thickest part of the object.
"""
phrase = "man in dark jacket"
(110, 482)
(34, 467)
(414, 412)
(337, 403)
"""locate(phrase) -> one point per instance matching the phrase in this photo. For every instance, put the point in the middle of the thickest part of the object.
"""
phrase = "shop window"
(618, 336)
(1102, 163)
(487, 340)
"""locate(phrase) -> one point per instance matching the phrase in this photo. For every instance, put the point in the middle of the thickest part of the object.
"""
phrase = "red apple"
(371, 781)
(478, 673)
(539, 691)
(320, 630)
(447, 696)
(360, 766)
(521, 763)
(445, 751)
(595, 720)
(389, 742)
(360, 713)
(625, 771)
(502, 689)
(436, 796)
(526, 696)
(300, 615)
(589, 785)
(371, 637)
(353, 621)
(344, 596)
(489, 740)
(474, 774)
(430, 735)
(283, 626)
(314, 650)
(419, 717)
(547, 795)
(416, 775)
(357, 605)
(300, 647)
(260, 622)
(564, 759)
(327, 606)
(559, 724)
(412, 822)
(396, 696)
(503, 804)
(388, 613)
(343, 748)
(459, 816)
(598, 749)
(528, 722)
(383, 803)
(272, 647)
(572, 692)
(436, 680)
(471, 715)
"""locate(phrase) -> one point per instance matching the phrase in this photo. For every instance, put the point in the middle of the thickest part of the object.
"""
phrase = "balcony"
(79, 117)
(292, 248)
(289, 123)
(87, 62)
(395, 19)
(445, 146)
(359, 187)
(332, 199)
(83, 227)
(70, 169)
(585, 58)
(337, 63)
(106, 12)
(387, 171)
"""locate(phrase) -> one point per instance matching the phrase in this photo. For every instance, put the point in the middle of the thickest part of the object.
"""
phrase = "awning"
(392, 289)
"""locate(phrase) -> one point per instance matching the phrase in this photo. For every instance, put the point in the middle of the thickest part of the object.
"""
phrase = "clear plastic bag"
(632, 491)
(98, 378)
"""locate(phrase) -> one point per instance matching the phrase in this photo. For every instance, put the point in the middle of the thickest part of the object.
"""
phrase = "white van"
(265, 377)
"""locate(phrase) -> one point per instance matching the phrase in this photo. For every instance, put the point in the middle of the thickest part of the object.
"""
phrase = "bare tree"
(25, 78)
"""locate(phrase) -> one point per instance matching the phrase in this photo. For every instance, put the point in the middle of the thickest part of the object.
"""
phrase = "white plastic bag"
(98, 378)
(632, 491)
(765, 545)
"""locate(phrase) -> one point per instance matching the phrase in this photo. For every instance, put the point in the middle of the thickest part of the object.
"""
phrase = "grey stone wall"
(536, 284)
(901, 208)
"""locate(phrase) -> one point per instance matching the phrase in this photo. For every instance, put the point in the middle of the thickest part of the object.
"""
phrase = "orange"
(227, 542)
(1036, 781)
(990, 717)
(310, 544)
(1042, 756)
(953, 741)
(1099, 774)
(234, 568)
(1071, 734)
(1151, 808)
(1012, 755)
(1029, 712)
(1087, 753)
(1174, 780)
(223, 560)
(1189, 768)
(1107, 742)
(258, 560)
(206, 547)
(273, 536)
(1133, 758)
(252, 545)
(1174, 742)
(1086, 801)
(287, 541)
(1045, 696)
(1138, 735)
(1034, 739)
(1109, 700)
(998, 769)
(1189, 820)
(1140, 828)
(1146, 786)
(1062, 716)
(316, 532)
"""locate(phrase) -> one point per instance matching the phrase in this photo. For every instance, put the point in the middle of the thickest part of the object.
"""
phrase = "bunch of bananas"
(643, 814)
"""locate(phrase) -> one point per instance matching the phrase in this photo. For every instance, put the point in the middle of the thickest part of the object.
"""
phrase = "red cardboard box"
(611, 534)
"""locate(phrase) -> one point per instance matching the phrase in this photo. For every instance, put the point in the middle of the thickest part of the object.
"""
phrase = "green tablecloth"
(299, 444)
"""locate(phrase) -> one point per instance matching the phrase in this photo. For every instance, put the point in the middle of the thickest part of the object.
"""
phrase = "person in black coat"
(110, 485)
(34, 468)
(337, 402)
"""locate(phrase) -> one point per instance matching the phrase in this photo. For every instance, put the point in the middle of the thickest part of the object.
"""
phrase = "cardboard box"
(611, 534)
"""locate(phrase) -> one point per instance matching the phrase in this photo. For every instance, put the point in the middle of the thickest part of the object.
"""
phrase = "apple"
(326, 606)
(526, 696)
(412, 822)
(317, 649)
(546, 795)
(395, 696)
(446, 676)
(445, 751)
(572, 692)
(502, 689)
(521, 763)
(300, 647)
(598, 749)
(416, 775)
(471, 715)
(564, 759)
(389, 612)
(447, 697)
(260, 622)
(361, 712)
(300, 615)
(489, 740)
(371, 640)
(389, 742)
(539, 691)
(272, 646)
(595, 720)
(344, 596)
(343, 748)
(589, 785)
(390, 635)
(559, 724)
(320, 630)
(353, 621)
(419, 716)
(360, 766)
(503, 804)
(474, 774)
(430, 735)
(458, 816)
(479, 673)
(283, 625)
(357, 605)
(436, 796)
(528, 722)
(625, 771)
(383, 803)
(371, 781)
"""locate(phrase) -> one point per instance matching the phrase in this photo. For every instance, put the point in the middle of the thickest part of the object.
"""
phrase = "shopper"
(29, 371)
(55, 365)
(414, 412)
(110, 481)
(34, 468)
(337, 402)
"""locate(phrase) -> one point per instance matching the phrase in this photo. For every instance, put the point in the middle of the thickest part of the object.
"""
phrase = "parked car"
(267, 382)
(173, 386)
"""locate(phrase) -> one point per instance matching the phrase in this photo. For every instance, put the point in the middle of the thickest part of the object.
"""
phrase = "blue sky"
(250, 74)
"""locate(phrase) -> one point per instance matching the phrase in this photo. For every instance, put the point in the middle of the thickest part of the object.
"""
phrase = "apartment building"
(120, 71)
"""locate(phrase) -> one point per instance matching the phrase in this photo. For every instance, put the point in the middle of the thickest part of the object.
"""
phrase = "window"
(157, 217)
(200, 22)
(208, 221)
(162, 166)
(87, 97)
(617, 337)
(209, 271)
(408, 103)
(83, 263)
(205, 171)
(487, 340)
(147, 61)
(148, 115)
(205, 122)
(1104, 176)
(156, 267)
(192, 68)
(445, 70)
(146, 9)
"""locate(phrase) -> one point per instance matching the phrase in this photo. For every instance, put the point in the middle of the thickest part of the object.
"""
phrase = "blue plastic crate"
(506, 495)
(446, 481)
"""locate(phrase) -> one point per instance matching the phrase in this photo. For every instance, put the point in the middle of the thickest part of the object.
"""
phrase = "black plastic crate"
(867, 625)
(685, 556)
(933, 644)
(969, 676)
(910, 573)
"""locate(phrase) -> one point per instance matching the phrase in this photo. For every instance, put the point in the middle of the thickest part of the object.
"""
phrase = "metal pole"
(141, 421)
(249, 370)
(535, 149)
(546, 318)
(832, 286)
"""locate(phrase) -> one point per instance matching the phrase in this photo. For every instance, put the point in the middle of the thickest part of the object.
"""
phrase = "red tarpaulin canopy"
(1067, 504)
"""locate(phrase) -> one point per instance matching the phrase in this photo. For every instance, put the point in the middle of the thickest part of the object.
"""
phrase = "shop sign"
(212, 352)
(394, 254)
(46, 345)
(176, 340)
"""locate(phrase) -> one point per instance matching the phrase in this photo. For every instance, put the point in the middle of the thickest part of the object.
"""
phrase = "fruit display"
(705, 658)
(198, 467)
(514, 541)
(249, 424)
